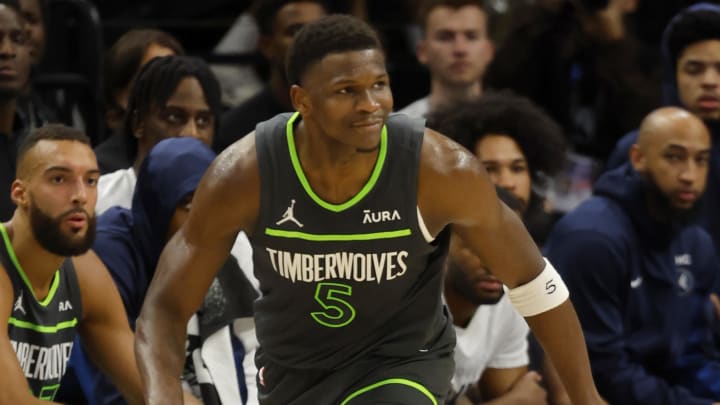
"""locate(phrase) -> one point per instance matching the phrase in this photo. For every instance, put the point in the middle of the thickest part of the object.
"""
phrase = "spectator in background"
(519, 145)
(33, 11)
(172, 96)
(691, 50)
(122, 63)
(17, 118)
(129, 242)
(582, 64)
(516, 141)
(491, 354)
(640, 276)
(278, 20)
(455, 48)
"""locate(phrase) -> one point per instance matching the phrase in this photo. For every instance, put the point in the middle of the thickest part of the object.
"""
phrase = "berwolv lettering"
(370, 217)
(42, 363)
(360, 267)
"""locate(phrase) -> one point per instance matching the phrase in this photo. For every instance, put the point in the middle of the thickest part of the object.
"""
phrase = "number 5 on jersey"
(337, 312)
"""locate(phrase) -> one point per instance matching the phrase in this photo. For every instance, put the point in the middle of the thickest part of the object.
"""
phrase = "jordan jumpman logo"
(289, 215)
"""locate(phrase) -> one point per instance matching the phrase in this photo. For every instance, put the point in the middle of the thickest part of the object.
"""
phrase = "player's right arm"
(14, 388)
(226, 202)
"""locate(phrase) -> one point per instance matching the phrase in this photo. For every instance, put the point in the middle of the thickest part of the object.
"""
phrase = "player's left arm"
(104, 328)
(454, 189)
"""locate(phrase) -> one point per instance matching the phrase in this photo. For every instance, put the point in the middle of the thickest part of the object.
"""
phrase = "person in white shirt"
(491, 356)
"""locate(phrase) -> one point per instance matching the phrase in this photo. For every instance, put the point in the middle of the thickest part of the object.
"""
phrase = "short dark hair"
(158, 80)
(265, 11)
(332, 34)
(427, 6)
(122, 60)
(540, 138)
(50, 132)
(694, 24)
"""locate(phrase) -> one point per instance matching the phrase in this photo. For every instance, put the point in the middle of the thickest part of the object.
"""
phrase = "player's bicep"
(455, 189)
(227, 199)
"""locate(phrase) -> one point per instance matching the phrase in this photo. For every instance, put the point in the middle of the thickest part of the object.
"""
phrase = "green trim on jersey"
(400, 233)
(42, 328)
(306, 185)
(401, 381)
(13, 258)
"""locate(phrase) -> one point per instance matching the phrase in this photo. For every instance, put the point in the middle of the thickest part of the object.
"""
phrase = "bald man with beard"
(641, 273)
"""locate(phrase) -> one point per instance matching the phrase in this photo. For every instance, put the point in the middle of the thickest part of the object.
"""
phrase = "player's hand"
(527, 390)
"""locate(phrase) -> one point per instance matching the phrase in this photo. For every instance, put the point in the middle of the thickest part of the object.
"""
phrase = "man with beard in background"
(50, 284)
(491, 355)
(641, 275)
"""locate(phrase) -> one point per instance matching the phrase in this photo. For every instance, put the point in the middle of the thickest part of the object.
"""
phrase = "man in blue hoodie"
(640, 275)
(129, 242)
(691, 49)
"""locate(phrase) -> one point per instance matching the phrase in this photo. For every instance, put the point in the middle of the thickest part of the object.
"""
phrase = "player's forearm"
(559, 332)
(159, 347)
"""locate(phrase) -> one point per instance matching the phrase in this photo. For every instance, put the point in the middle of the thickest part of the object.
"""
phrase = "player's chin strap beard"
(368, 150)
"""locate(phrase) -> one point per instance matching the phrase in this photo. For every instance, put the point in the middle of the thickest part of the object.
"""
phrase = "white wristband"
(543, 293)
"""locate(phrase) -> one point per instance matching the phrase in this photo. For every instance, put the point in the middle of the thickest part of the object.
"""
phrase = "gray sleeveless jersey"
(341, 281)
(42, 332)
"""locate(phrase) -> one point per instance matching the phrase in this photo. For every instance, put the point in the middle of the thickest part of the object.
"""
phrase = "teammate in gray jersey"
(44, 294)
(341, 92)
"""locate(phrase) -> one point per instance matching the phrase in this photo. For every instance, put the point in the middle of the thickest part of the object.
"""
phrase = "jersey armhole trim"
(11, 252)
(423, 229)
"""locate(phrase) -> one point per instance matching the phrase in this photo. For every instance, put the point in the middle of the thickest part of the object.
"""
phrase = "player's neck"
(442, 94)
(461, 309)
(38, 264)
(336, 171)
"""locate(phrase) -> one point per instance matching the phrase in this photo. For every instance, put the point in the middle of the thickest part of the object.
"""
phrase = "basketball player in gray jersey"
(45, 295)
(346, 207)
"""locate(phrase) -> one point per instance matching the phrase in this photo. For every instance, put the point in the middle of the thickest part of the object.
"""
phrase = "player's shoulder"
(236, 162)
(445, 157)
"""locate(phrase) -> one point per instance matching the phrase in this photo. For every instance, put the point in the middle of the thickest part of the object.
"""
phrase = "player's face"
(14, 52)
(59, 196)
(456, 48)
(288, 20)
(186, 113)
(506, 165)
(468, 276)
(698, 79)
(347, 96)
(676, 162)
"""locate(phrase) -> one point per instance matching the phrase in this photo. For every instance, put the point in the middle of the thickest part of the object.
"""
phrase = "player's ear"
(637, 158)
(300, 100)
(19, 193)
